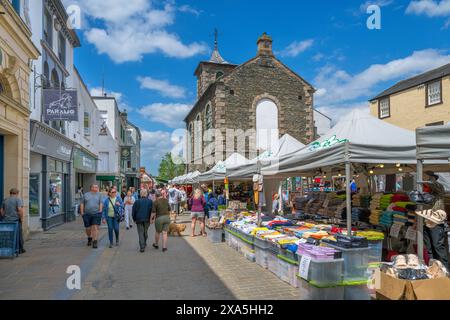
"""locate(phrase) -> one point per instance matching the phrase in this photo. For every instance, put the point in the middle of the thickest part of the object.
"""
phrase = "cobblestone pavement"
(192, 268)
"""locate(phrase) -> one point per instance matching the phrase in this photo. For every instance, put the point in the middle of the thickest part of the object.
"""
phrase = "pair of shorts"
(92, 219)
(162, 224)
(174, 207)
(199, 215)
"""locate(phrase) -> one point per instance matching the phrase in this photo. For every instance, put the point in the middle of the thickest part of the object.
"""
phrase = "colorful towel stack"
(375, 202)
(400, 218)
(385, 201)
(375, 217)
(400, 197)
(356, 200)
(411, 219)
(404, 204)
(387, 218)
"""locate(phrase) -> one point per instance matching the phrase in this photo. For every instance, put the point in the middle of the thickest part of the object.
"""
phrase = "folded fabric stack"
(360, 214)
(387, 218)
(375, 217)
(411, 219)
(385, 201)
(356, 200)
(375, 202)
(400, 197)
(400, 218)
(365, 201)
(404, 204)
(339, 210)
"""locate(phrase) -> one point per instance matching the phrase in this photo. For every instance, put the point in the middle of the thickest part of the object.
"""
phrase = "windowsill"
(434, 104)
(382, 118)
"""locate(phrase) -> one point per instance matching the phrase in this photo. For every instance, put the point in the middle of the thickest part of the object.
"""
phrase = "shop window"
(384, 108)
(55, 198)
(87, 123)
(434, 93)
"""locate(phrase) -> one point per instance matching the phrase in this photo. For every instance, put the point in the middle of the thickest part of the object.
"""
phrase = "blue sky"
(150, 49)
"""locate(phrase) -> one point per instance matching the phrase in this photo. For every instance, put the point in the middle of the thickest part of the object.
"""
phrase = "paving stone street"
(192, 269)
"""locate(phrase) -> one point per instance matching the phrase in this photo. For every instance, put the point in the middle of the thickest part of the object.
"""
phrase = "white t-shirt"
(127, 198)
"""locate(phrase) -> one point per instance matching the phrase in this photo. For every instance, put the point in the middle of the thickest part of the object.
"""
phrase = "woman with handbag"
(113, 215)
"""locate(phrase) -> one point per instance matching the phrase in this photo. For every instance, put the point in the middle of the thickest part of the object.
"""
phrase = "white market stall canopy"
(433, 143)
(356, 138)
(220, 169)
(189, 178)
(286, 145)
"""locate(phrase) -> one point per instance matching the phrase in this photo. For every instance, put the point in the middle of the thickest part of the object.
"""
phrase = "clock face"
(125, 152)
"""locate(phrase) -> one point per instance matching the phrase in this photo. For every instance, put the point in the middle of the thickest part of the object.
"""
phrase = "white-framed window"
(434, 95)
(384, 108)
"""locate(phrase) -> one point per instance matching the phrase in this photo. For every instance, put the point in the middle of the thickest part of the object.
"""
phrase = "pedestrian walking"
(12, 211)
(198, 203)
(275, 204)
(183, 200)
(174, 198)
(112, 215)
(142, 210)
(134, 192)
(161, 218)
(123, 194)
(128, 202)
(91, 208)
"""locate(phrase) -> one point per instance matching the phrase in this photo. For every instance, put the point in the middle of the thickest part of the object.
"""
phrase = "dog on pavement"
(176, 228)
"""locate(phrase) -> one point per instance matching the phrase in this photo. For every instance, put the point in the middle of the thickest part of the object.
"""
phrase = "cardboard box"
(396, 289)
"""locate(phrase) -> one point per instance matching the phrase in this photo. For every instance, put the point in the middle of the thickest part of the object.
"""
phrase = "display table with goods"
(215, 228)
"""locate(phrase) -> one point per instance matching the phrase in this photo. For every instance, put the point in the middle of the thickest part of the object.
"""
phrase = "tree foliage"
(168, 169)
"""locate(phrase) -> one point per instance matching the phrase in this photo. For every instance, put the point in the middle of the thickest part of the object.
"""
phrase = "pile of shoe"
(408, 267)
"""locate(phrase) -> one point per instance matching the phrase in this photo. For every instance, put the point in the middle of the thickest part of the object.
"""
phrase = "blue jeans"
(113, 226)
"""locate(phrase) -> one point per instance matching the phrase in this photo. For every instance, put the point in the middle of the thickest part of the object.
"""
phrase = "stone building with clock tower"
(240, 102)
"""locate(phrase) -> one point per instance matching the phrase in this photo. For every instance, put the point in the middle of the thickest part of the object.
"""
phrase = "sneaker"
(142, 250)
(155, 246)
(131, 226)
(128, 228)
(94, 244)
(110, 245)
(164, 249)
(89, 242)
(117, 243)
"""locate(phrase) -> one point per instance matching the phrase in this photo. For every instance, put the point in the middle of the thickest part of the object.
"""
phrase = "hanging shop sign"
(326, 143)
(60, 105)
(126, 153)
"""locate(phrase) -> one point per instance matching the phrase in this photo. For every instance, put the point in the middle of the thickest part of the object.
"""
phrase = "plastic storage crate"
(324, 272)
(287, 271)
(245, 236)
(273, 247)
(9, 234)
(289, 254)
(261, 257)
(261, 243)
(375, 251)
(272, 263)
(359, 291)
(248, 253)
(309, 291)
(356, 263)
(215, 235)
(227, 237)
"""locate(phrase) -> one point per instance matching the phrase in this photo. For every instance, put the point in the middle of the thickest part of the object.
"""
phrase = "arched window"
(219, 74)
(198, 138)
(208, 117)
(55, 79)
(267, 133)
(46, 83)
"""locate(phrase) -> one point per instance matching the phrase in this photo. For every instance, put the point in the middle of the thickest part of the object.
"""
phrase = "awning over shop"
(83, 160)
(433, 143)
(106, 178)
(220, 169)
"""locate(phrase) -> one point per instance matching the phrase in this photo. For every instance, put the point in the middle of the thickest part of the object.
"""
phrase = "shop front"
(50, 177)
(84, 169)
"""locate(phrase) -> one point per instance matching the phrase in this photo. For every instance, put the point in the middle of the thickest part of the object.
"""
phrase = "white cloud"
(188, 9)
(162, 86)
(155, 144)
(170, 114)
(341, 86)
(429, 8)
(380, 3)
(297, 47)
(133, 30)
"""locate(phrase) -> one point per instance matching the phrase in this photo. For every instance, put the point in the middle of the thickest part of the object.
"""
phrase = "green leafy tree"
(168, 169)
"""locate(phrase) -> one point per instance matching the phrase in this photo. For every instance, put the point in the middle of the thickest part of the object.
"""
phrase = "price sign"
(411, 234)
(395, 230)
(304, 267)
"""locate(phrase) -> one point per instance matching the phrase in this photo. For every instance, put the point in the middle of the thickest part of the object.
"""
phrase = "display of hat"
(432, 174)
(436, 216)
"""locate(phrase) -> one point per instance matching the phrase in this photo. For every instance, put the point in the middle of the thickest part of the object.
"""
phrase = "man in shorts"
(91, 208)
(12, 211)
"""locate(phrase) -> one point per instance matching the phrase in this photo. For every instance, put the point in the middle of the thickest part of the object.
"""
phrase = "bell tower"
(265, 45)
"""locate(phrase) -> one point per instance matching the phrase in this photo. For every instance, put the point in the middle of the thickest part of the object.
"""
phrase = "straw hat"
(436, 216)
